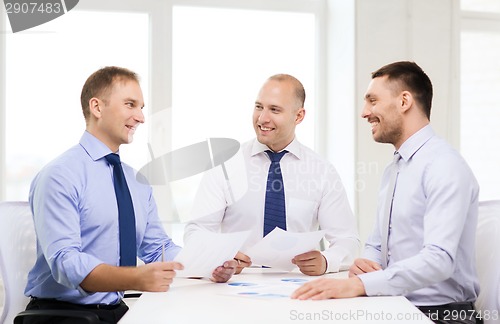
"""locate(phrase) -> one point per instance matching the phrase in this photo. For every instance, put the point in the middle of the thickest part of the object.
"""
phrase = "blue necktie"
(126, 216)
(274, 209)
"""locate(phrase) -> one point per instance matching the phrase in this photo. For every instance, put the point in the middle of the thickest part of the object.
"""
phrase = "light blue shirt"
(433, 226)
(76, 221)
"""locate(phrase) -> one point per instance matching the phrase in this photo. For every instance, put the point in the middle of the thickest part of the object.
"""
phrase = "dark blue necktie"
(274, 209)
(126, 216)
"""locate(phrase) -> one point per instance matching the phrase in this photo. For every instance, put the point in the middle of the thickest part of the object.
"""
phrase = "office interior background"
(202, 63)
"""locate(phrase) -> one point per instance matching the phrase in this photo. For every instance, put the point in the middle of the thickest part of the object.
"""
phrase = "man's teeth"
(265, 128)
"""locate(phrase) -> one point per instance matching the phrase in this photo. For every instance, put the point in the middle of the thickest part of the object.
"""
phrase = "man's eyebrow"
(271, 106)
(131, 99)
(134, 101)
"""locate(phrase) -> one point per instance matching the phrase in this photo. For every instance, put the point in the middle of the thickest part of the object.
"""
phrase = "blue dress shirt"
(433, 226)
(76, 220)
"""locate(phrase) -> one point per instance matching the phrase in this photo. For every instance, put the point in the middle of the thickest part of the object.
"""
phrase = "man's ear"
(407, 100)
(301, 113)
(95, 107)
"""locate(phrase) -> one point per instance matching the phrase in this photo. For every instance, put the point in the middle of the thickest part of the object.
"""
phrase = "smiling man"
(423, 243)
(281, 184)
(93, 218)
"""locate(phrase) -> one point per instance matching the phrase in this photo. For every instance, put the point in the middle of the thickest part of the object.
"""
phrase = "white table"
(254, 297)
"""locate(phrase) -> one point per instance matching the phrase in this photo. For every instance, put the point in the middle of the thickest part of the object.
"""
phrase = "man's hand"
(224, 272)
(243, 261)
(330, 288)
(363, 266)
(311, 263)
(157, 276)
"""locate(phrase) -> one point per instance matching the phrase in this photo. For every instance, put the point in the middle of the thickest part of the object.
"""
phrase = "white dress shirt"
(314, 196)
(431, 258)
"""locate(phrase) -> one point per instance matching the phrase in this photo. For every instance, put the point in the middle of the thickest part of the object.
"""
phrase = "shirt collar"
(294, 148)
(94, 147)
(415, 142)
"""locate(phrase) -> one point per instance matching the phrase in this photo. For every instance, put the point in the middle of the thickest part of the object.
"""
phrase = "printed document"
(207, 250)
(278, 248)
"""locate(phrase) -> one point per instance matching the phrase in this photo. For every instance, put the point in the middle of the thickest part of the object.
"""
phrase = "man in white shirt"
(232, 198)
(424, 247)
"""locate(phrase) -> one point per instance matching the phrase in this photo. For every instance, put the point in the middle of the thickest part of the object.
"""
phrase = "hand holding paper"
(312, 263)
(279, 247)
(205, 251)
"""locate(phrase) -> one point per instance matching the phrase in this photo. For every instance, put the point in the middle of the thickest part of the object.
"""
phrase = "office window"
(221, 57)
(203, 80)
(480, 85)
(46, 67)
(480, 5)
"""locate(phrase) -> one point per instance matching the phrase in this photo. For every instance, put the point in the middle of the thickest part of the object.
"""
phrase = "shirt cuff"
(332, 262)
(376, 283)
(77, 268)
(338, 259)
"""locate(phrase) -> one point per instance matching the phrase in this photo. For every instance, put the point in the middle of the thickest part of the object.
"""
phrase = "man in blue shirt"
(76, 213)
(423, 243)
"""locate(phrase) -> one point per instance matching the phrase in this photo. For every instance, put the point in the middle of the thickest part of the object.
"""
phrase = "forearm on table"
(107, 278)
(430, 266)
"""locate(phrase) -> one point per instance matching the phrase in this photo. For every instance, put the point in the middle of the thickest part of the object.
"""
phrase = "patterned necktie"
(274, 209)
(126, 216)
(391, 188)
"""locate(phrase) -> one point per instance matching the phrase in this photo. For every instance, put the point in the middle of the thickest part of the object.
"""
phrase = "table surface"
(262, 296)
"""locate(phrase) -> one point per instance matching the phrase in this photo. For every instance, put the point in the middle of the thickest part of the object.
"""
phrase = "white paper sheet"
(279, 247)
(206, 250)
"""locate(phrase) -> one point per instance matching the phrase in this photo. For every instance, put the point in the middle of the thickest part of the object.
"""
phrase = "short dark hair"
(300, 93)
(410, 77)
(100, 83)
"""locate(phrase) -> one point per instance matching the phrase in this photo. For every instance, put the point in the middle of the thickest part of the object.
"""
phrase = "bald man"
(233, 197)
